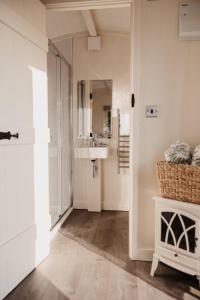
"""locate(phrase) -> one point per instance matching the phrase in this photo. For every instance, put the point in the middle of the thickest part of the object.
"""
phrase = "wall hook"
(8, 135)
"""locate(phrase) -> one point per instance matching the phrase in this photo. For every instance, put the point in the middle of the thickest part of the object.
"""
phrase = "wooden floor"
(89, 261)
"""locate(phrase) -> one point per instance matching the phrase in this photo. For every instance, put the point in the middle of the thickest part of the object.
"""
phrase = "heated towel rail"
(123, 147)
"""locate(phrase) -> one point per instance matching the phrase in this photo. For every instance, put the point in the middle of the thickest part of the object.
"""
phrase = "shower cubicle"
(60, 124)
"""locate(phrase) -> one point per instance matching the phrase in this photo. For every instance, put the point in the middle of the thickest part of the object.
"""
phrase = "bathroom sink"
(96, 152)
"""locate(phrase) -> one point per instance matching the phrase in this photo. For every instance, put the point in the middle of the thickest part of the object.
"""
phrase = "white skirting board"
(80, 205)
(61, 221)
(142, 254)
(115, 206)
(105, 206)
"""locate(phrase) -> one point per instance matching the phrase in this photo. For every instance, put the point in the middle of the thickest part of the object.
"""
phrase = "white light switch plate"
(151, 111)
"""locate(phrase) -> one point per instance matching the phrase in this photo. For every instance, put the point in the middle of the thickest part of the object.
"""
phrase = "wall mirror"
(95, 108)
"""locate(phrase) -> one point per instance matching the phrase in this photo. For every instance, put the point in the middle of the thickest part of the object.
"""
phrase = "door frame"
(134, 251)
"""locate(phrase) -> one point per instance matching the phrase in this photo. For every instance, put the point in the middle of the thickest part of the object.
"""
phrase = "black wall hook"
(8, 135)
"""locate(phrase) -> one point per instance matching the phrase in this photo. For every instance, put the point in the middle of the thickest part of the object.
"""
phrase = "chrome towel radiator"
(123, 147)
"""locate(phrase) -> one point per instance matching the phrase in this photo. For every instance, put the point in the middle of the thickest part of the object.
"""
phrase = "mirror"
(95, 108)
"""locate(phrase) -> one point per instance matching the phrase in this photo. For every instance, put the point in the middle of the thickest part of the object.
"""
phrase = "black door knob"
(7, 135)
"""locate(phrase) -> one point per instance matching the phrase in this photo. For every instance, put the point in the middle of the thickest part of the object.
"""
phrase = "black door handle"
(8, 135)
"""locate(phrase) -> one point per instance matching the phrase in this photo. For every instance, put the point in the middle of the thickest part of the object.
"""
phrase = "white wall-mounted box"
(189, 20)
(94, 43)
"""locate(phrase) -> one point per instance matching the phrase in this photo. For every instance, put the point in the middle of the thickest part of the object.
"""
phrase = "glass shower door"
(54, 145)
(66, 151)
(60, 158)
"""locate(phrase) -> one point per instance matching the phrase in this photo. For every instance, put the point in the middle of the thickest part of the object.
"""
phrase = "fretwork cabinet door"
(177, 236)
(178, 231)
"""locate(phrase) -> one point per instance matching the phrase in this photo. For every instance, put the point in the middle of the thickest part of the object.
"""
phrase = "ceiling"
(61, 23)
(78, 1)
(101, 84)
(64, 23)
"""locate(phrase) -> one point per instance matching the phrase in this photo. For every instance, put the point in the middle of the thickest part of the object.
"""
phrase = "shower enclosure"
(60, 124)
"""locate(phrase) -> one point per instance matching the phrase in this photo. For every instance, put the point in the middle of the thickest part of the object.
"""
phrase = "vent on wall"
(189, 21)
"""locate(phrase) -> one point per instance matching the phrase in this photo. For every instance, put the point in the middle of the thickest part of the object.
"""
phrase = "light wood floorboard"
(89, 261)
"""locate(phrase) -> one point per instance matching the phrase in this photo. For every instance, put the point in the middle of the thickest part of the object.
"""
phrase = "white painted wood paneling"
(17, 189)
(17, 259)
(33, 11)
(19, 24)
(24, 215)
(166, 73)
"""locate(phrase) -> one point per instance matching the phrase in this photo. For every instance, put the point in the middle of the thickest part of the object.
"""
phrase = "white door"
(24, 219)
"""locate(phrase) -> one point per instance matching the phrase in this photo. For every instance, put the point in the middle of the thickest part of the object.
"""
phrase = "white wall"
(65, 47)
(111, 62)
(166, 73)
(32, 11)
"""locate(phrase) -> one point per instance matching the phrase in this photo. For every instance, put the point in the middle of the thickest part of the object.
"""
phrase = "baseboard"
(143, 254)
(80, 205)
(61, 221)
(105, 206)
(115, 206)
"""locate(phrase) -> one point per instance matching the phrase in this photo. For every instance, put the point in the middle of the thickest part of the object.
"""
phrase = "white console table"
(177, 240)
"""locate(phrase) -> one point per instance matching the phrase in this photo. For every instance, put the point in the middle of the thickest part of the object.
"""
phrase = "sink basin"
(97, 152)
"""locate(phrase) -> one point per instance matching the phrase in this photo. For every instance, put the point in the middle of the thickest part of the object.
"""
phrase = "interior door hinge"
(132, 100)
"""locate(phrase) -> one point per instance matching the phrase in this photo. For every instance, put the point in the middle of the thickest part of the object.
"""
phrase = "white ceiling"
(74, 1)
(71, 22)
(57, 1)
(64, 23)
(116, 19)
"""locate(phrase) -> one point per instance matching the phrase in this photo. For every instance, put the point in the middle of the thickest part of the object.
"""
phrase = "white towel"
(178, 153)
(196, 156)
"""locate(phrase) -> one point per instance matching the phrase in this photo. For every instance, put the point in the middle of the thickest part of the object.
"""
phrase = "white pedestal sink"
(94, 156)
(97, 152)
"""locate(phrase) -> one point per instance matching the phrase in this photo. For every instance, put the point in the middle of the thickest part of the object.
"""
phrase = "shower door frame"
(67, 212)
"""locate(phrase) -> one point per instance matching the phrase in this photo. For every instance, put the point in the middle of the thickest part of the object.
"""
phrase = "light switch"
(151, 111)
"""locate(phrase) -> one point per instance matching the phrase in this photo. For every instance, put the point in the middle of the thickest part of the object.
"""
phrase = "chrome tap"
(93, 140)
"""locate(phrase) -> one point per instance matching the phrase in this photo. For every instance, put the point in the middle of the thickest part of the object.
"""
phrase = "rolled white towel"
(178, 153)
(196, 156)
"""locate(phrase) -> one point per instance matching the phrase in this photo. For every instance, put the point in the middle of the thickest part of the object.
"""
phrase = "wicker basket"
(179, 182)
